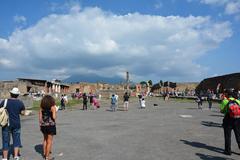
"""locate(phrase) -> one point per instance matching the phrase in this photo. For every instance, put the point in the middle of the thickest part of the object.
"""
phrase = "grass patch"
(71, 103)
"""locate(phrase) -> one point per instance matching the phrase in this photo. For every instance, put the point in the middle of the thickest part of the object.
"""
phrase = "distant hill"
(93, 78)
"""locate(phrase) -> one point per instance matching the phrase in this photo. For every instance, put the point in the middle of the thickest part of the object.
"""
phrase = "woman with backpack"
(47, 121)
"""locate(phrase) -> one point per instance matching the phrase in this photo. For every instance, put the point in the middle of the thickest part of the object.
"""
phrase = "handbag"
(4, 114)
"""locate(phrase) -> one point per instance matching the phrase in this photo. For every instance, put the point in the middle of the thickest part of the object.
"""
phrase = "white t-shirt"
(143, 103)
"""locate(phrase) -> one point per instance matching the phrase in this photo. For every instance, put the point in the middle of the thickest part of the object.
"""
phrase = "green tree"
(150, 83)
(143, 83)
(160, 83)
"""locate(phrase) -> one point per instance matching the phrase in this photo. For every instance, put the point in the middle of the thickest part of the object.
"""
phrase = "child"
(143, 103)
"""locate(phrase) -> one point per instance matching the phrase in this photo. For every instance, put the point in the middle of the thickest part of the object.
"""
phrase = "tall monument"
(127, 80)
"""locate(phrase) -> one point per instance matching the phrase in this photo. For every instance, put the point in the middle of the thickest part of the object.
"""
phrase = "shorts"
(15, 132)
(48, 130)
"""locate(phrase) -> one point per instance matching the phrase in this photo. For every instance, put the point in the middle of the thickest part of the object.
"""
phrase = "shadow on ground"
(202, 145)
(39, 149)
(205, 146)
(211, 124)
(209, 157)
(216, 115)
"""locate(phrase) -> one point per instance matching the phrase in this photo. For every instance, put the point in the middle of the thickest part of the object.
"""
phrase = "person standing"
(65, 99)
(116, 96)
(125, 103)
(47, 122)
(85, 100)
(143, 103)
(140, 96)
(90, 98)
(62, 102)
(230, 121)
(209, 98)
(113, 103)
(14, 107)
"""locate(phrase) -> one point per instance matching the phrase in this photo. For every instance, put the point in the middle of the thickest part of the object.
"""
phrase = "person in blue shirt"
(14, 107)
(113, 103)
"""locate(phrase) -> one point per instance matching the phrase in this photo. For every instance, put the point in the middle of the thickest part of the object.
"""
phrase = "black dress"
(48, 125)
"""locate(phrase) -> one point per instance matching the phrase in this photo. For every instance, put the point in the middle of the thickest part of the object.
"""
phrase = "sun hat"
(15, 90)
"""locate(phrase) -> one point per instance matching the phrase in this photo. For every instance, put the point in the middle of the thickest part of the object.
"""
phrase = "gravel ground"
(173, 130)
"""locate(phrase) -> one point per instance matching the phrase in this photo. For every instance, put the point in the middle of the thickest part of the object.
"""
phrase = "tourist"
(125, 103)
(209, 98)
(140, 96)
(65, 99)
(230, 121)
(14, 107)
(143, 105)
(62, 103)
(90, 99)
(116, 96)
(199, 101)
(113, 103)
(47, 121)
(96, 103)
(85, 101)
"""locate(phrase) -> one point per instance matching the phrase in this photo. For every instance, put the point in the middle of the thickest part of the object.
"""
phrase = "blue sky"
(176, 40)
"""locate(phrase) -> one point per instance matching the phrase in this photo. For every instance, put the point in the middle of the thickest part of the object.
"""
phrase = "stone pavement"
(173, 130)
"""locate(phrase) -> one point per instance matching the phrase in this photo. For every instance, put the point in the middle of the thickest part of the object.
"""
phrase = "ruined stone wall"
(104, 89)
(6, 86)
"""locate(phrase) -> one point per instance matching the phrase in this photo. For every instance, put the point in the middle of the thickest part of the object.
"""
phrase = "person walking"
(125, 103)
(199, 101)
(14, 107)
(231, 121)
(47, 122)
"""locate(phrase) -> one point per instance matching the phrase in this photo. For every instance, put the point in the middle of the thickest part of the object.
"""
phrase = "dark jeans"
(63, 106)
(84, 106)
(210, 104)
(16, 134)
(230, 124)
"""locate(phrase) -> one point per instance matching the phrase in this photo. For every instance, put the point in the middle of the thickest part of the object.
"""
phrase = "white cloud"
(91, 40)
(71, 6)
(19, 19)
(215, 2)
(231, 7)
(158, 5)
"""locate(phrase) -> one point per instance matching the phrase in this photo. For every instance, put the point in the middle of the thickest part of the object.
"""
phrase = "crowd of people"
(230, 107)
